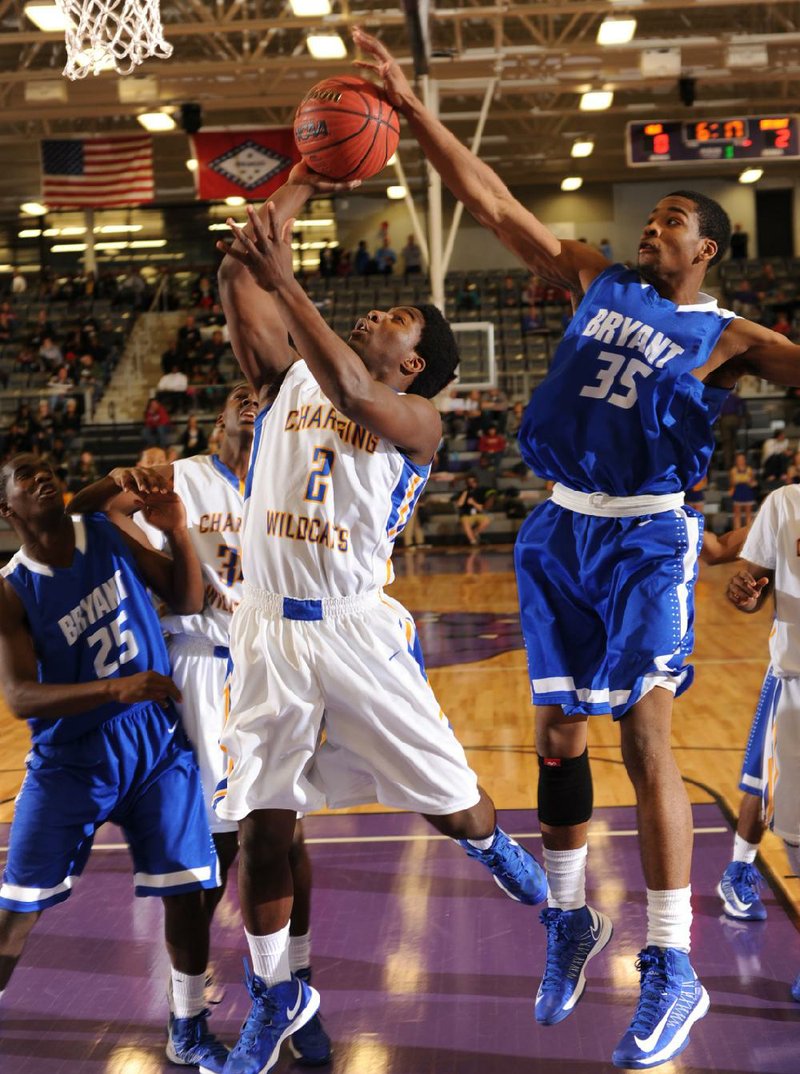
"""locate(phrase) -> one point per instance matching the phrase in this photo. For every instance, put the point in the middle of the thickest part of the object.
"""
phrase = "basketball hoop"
(104, 35)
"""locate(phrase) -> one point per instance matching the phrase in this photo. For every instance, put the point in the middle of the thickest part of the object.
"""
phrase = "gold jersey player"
(339, 460)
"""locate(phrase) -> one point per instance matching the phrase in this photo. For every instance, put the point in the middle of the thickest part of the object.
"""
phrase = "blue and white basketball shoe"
(190, 1044)
(573, 937)
(275, 1014)
(311, 1045)
(738, 890)
(514, 868)
(671, 1001)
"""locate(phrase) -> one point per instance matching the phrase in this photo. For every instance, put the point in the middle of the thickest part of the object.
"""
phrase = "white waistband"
(600, 503)
(278, 606)
(196, 645)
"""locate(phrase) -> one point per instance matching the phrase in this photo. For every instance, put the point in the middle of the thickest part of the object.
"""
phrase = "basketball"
(345, 128)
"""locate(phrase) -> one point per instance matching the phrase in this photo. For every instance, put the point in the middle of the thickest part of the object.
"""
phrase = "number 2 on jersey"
(113, 636)
(607, 379)
(317, 486)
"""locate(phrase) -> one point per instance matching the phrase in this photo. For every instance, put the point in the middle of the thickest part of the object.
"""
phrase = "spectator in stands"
(58, 457)
(733, 416)
(414, 534)
(133, 289)
(44, 425)
(696, 495)
(534, 292)
(42, 329)
(412, 258)
(775, 443)
(152, 456)
(189, 338)
(742, 490)
(214, 440)
(739, 240)
(532, 320)
(451, 407)
(775, 471)
(473, 415)
(493, 444)
(509, 296)
(793, 470)
(362, 259)
(86, 372)
(214, 348)
(26, 361)
(782, 324)
(494, 409)
(605, 249)
(214, 316)
(19, 285)
(468, 297)
(172, 357)
(8, 325)
(744, 294)
(471, 506)
(515, 419)
(85, 473)
(60, 383)
(766, 284)
(157, 426)
(171, 390)
(18, 438)
(193, 441)
(385, 258)
(486, 478)
(68, 422)
(203, 293)
(344, 266)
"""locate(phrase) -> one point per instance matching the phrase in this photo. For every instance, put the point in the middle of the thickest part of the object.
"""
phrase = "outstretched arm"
(409, 422)
(258, 335)
(723, 549)
(749, 348)
(564, 262)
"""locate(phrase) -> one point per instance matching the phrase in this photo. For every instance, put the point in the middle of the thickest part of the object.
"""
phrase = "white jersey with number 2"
(325, 501)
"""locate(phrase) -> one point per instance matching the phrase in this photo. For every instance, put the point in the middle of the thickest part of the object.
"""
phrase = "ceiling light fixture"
(616, 31)
(326, 46)
(309, 9)
(582, 147)
(47, 17)
(157, 121)
(596, 100)
(33, 208)
(751, 175)
(395, 193)
(572, 182)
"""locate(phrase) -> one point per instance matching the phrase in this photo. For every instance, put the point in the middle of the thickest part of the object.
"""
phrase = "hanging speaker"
(191, 117)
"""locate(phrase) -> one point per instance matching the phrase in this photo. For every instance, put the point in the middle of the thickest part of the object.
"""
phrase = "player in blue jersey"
(83, 660)
(606, 568)
(339, 458)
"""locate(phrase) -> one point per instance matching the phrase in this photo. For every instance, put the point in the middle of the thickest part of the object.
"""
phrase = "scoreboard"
(746, 138)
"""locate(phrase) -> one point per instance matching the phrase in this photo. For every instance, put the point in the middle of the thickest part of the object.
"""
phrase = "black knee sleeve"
(565, 790)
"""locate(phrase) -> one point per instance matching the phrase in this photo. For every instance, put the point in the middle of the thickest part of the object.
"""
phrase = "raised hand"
(139, 479)
(385, 66)
(302, 175)
(268, 254)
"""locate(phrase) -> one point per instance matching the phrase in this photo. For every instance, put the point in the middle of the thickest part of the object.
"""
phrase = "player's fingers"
(286, 234)
(241, 236)
(367, 66)
(761, 582)
(262, 234)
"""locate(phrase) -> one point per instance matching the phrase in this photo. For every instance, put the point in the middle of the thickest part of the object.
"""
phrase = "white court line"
(424, 838)
(472, 670)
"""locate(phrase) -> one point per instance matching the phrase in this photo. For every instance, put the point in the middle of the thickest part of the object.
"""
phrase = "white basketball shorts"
(199, 669)
(330, 706)
(782, 762)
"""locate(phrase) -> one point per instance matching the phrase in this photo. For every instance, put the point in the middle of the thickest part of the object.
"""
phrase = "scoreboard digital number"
(709, 141)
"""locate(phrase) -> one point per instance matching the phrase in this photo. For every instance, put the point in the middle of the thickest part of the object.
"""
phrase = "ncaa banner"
(249, 163)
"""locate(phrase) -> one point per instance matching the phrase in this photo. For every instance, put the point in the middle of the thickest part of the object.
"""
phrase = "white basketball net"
(104, 35)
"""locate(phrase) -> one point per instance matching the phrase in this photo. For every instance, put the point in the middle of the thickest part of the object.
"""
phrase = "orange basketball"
(345, 128)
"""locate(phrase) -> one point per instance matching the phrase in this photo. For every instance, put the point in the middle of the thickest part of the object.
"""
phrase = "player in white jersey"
(339, 460)
(772, 565)
(211, 488)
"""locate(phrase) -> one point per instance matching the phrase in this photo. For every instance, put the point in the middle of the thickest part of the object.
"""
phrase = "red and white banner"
(97, 172)
(250, 164)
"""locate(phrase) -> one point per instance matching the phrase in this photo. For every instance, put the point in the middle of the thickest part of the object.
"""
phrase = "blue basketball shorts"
(752, 779)
(606, 605)
(136, 770)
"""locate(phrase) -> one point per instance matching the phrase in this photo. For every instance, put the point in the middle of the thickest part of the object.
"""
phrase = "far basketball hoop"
(111, 35)
(477, 368)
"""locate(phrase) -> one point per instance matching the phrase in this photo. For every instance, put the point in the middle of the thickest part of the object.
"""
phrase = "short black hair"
(437, 345)
(713, 222)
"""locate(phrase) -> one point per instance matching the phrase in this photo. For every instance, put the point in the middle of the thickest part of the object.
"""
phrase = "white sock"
(483, 844)
(270, 955)
(744, 851)
(792, 853)
(566, 878)
(669, 918)
(300, 952)
(187, 993)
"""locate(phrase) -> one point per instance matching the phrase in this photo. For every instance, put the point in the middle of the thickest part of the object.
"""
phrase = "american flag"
(97, 172)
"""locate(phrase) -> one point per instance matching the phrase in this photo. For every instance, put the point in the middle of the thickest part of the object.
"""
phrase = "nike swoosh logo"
(737, 903)
(650, 1042)
(171, 730)
(292, 1011)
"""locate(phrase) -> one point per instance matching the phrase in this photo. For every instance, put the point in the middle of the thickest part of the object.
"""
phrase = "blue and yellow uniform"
(606, 567)
(128, 764)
